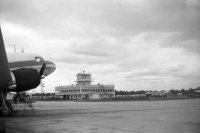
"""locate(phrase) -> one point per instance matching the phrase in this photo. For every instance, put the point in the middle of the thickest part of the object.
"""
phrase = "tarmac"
(166, 116)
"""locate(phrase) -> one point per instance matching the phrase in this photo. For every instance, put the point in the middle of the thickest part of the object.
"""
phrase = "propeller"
(42, 70)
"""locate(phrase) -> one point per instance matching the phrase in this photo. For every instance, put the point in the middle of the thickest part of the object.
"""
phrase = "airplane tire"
(9, 111)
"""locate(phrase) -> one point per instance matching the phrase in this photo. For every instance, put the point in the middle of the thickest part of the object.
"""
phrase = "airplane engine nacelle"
(25, 79)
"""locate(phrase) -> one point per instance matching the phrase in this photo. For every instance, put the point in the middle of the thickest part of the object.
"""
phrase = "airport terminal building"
(84, 90)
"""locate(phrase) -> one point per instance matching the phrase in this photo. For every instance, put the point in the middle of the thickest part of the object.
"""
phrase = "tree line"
(189, 91)
(184, 91)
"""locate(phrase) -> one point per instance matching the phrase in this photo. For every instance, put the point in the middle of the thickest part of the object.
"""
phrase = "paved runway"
(172, 116)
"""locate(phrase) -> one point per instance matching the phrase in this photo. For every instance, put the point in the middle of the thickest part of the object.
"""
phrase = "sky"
(133, 44)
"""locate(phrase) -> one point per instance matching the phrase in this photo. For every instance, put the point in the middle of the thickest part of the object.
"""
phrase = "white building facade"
(84, 90)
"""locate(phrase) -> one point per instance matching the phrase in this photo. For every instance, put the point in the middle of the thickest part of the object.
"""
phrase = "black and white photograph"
(99, 66)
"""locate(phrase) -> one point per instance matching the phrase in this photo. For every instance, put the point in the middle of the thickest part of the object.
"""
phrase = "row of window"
(88, 91)
(70, 91)
(98, 87)
(86, 87)
(98, 90)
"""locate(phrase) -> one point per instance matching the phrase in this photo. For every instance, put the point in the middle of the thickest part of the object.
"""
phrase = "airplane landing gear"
(7, 111)
(5, 106)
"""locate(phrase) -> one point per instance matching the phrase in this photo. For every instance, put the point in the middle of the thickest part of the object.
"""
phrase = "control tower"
(83, 79)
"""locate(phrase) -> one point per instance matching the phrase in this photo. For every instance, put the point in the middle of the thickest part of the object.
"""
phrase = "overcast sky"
(135, 44)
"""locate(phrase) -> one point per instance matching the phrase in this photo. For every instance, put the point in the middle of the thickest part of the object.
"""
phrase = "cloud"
(115, 16)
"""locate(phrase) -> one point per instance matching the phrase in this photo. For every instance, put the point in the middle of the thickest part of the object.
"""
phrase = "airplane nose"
(53, 66)
(50, 67)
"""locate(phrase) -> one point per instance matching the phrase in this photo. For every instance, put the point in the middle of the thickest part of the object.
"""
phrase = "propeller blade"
(42, 70)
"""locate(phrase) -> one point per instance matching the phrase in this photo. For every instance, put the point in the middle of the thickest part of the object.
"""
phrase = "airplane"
(20, 72)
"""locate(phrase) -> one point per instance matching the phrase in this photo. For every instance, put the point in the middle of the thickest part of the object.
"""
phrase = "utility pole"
(102, 78)
(42, 90)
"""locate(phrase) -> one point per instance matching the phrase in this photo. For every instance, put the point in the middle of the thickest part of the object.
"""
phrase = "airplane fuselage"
(28, 60)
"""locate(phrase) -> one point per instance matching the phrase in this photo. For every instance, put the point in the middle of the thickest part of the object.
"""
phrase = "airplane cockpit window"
(38, 59)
